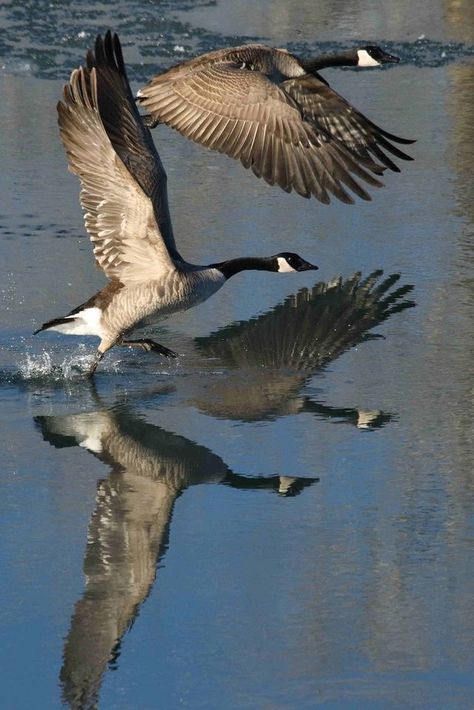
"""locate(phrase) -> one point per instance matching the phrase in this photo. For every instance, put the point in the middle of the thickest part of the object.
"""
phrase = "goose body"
(272, 111)
(118, 304)
(125, 201)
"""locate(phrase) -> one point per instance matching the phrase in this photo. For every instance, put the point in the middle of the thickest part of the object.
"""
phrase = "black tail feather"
(51, 323)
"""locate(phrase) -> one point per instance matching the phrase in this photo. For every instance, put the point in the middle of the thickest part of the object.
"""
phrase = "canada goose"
(125, 201)
(128, 533)
(272, 111)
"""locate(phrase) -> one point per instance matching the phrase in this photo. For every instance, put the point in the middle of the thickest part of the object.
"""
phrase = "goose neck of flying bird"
(341, 59)
(250, 263)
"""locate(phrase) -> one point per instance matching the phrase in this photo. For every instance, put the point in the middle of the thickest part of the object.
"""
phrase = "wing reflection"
(128, 531)
(271, 357)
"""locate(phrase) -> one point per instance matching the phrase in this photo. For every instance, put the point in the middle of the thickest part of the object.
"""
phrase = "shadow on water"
(128, 534)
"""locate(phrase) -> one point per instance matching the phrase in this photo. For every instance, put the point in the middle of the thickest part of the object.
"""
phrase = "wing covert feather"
(249, 117)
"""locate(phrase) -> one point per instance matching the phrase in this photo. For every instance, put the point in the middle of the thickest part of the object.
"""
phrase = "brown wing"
(242, 113)
(119, 216)
(329, 111)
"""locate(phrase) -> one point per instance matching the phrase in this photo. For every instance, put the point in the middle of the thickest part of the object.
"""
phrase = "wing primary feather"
(123, 184)
(390, 136)
(130, 138)
(393, 149)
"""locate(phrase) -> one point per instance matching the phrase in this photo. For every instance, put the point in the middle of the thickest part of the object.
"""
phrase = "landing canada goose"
(125, 201)
(272, 111)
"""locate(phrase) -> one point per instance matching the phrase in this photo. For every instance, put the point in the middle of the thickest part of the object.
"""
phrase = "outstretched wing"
(123, 184)
(225, 106)
(331, 112)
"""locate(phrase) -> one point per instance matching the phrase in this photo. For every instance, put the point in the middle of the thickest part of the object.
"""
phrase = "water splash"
(42, 365)
(23, 360)
(46, 366)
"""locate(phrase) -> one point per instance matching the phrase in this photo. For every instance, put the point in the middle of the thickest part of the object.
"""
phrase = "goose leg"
(149, 346)
(98, 358)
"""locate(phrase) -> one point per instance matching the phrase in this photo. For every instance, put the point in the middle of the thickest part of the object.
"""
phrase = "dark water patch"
(49, 39)
(32, 228)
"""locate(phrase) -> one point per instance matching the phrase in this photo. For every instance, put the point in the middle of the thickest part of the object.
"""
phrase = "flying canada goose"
(125, 201)
(272, 111)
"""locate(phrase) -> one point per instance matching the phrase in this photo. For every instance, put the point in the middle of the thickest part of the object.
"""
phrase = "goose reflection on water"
(128, 531)
(267, 361)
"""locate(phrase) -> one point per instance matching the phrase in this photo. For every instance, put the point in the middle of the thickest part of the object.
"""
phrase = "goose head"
(373, 56)
(288, 261)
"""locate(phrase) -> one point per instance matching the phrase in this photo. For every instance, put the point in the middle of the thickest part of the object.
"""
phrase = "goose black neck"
(342, 59)
(251, 263)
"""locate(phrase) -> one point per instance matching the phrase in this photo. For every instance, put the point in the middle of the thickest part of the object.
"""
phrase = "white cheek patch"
(365, 60)
(87, 428)
(284, 267)
(92, 443)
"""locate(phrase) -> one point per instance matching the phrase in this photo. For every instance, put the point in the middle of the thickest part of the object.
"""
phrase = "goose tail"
(81, 321)
(61, 324)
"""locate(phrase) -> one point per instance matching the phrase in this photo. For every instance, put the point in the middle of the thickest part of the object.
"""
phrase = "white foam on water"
(39, 365)
(46, 365)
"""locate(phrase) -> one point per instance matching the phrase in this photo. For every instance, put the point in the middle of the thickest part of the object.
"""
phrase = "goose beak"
(306, 266)
(389, 58)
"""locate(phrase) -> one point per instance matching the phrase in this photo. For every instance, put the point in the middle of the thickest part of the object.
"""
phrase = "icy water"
(283, 518)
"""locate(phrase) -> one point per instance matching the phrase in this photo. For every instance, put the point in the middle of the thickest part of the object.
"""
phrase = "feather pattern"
(124, 197)
(130, 230)
(259, 105)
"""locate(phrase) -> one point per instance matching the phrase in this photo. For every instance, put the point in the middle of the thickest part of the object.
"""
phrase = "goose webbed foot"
(98, 358)
(149, 346)
(149, 121)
